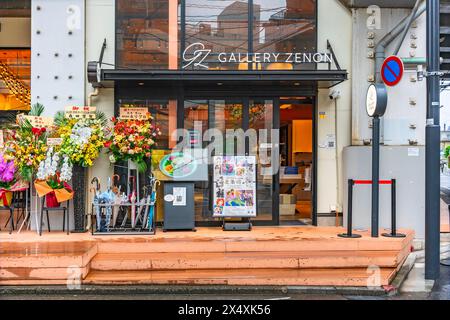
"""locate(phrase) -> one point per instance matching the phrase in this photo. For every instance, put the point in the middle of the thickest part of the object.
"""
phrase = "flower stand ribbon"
(6, 194)
(60, 195)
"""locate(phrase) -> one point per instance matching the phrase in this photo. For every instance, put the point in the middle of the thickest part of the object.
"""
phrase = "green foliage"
(447, 152)
(37, 109)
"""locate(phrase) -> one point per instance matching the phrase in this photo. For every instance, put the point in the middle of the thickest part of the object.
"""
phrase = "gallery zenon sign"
(198, 55)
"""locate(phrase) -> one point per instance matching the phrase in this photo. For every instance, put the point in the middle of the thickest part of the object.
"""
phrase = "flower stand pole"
(79, 200)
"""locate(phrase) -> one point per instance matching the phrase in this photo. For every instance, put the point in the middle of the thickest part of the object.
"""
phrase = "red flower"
(107, 144)
(43, 130)
(36, 131)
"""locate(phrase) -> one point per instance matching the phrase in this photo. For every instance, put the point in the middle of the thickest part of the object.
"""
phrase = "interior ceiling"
(380, 3)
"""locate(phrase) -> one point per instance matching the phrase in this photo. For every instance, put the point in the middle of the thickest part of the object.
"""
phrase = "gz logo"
(195, 54)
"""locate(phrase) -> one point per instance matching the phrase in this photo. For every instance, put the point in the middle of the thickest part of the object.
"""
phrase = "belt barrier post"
(350, 233)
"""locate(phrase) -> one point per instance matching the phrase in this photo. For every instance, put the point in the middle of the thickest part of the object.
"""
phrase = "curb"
(402, 274)
(170, 289)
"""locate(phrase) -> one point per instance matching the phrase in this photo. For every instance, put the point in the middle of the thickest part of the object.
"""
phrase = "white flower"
(112, 159)
(66, 170)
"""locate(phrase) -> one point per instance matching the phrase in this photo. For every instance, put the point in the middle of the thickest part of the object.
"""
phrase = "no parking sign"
(392, 71)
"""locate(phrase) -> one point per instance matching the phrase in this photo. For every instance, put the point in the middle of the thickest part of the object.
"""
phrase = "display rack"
(116, 228)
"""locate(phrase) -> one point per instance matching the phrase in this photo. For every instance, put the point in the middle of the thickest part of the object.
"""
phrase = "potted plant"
(52, 179)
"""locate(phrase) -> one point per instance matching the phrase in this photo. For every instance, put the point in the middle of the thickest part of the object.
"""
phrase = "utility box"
(179, 210)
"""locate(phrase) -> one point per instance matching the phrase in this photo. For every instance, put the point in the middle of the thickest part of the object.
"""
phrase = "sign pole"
(375, 175)
(432, 172)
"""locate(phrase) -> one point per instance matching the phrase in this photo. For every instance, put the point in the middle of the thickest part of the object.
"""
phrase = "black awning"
(322, 78)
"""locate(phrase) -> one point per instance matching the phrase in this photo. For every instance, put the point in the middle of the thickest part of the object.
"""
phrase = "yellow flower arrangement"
(82, 139)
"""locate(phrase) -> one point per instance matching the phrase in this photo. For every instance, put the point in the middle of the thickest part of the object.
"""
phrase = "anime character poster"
(234, 186)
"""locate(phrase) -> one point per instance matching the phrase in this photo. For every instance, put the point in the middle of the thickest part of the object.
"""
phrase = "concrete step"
(354, 277)
(246, 260)
(240, 242)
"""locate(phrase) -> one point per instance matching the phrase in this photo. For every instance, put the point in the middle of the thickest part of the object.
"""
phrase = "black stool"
(47, 209)
(18, 202)
(11, 217)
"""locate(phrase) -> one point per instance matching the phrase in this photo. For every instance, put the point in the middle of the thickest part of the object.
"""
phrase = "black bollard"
(350, 233)
(394, 233)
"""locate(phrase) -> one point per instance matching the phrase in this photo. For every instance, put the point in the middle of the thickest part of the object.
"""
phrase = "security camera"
(334, 94)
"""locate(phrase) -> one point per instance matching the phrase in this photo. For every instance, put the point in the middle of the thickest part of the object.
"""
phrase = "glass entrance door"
(256, 119)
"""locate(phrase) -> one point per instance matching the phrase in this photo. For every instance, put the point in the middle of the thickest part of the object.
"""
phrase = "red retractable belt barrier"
(371, 182)
(351, 184)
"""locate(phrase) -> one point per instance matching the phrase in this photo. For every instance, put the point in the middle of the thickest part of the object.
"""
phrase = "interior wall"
(15, 32)
(340, 37)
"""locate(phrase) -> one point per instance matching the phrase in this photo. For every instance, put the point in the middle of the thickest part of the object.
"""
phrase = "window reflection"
(153, 34)
(284, 26)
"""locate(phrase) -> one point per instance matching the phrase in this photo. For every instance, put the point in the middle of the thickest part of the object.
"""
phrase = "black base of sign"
(237, 226)
(351, 236)
(395, 235)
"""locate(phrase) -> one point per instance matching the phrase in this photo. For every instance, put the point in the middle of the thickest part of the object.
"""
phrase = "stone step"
(354, 277)
(246, 260)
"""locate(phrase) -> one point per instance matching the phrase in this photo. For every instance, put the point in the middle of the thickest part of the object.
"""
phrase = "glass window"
(284, 26)
(15, 73)
(214, 34)
(219, 26)
(261, 120)
(147, 34)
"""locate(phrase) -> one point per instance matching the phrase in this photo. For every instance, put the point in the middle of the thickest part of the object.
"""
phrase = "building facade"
(299, 67)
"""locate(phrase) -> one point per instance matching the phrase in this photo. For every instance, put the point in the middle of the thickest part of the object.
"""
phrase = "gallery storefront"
(229, 66)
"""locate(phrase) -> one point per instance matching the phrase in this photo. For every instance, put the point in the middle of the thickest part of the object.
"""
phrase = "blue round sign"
(392, 71)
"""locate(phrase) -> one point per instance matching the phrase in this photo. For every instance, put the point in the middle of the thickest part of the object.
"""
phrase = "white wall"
(100, 23)
(445, 111)
(15, 32)
(57, 54)
(335, 25)
(400, 114)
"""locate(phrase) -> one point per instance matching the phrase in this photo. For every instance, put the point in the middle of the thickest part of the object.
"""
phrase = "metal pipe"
(375, 176)
(92, 94)
(408, 25)
(432, 146)
(416, 61)
(380, 49)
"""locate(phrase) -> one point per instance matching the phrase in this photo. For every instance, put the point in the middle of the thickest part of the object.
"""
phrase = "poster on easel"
(234, 186)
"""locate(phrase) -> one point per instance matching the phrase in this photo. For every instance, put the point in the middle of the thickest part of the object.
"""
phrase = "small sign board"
(80, 112)
(37, 121)
(392, 71)
(129, 113)
(54, 141)
(376, 100)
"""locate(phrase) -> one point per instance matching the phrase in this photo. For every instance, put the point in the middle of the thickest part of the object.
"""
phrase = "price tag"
(133, 113)
(54, 141)
(77, 112)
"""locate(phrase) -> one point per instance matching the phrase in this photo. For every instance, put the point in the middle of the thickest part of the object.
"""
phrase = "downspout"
(380, 49)
(90, 95)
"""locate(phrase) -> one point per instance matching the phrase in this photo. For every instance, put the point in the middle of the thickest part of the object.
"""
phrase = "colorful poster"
(234, 186)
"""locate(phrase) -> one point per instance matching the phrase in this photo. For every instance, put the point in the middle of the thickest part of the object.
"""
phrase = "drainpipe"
(380, 49)
(90, 95)
(408, 25)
